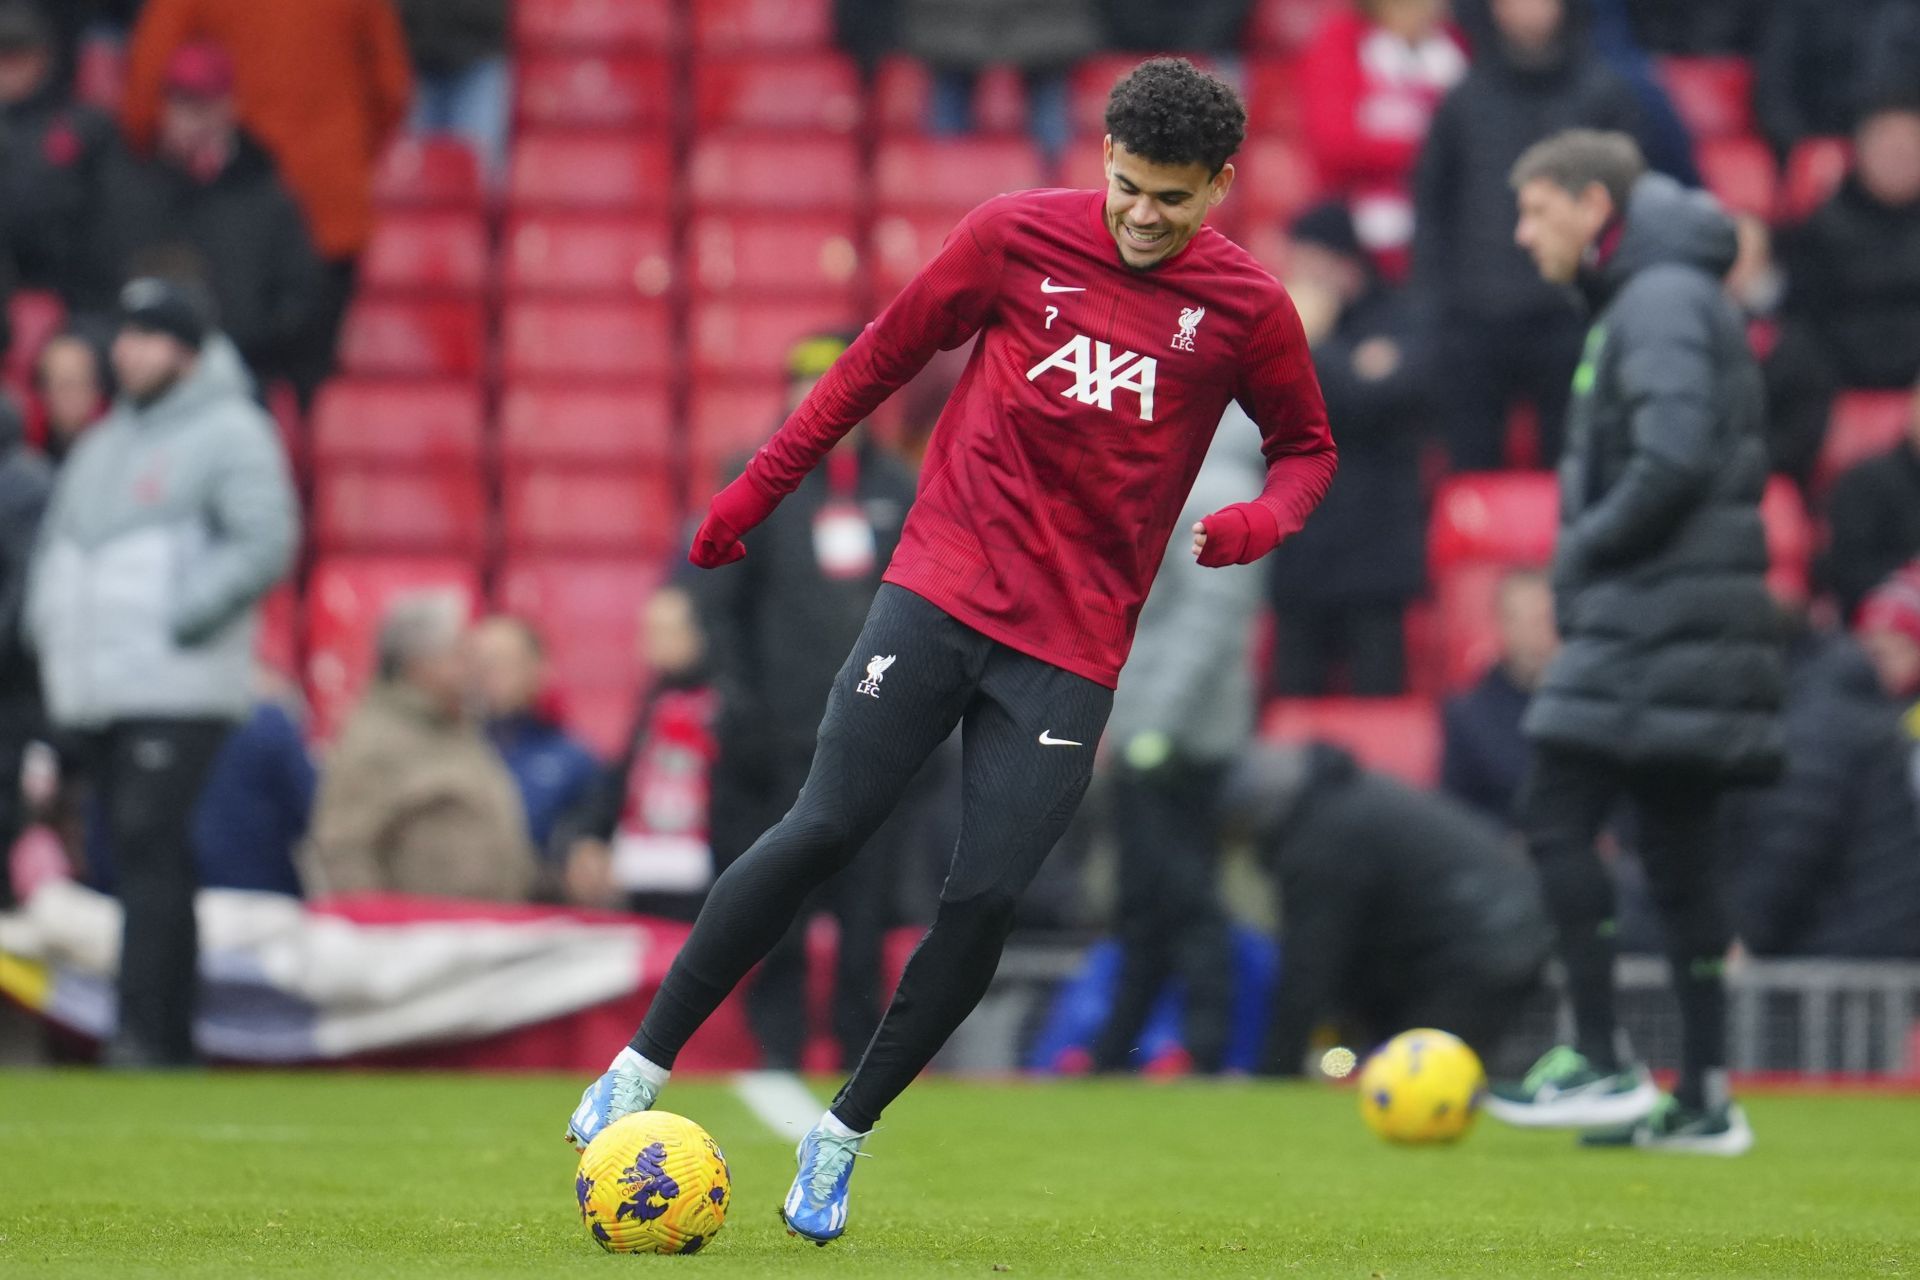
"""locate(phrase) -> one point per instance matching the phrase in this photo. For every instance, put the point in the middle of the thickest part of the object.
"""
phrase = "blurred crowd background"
(513, 286)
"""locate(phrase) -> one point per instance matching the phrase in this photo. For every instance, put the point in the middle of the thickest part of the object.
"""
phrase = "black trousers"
(149, 774)
(1564, 802)
(1170, 922)
(1313, 640)
(1492, 363)
(1028, 736)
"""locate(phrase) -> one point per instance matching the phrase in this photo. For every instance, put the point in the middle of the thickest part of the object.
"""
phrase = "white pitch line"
(783, 1104)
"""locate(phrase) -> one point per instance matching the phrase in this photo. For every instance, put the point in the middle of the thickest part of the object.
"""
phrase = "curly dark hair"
(1169, 111)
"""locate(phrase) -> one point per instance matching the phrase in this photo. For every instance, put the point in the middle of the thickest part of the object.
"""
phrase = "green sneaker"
(1716, 1131)
(1563, 1091)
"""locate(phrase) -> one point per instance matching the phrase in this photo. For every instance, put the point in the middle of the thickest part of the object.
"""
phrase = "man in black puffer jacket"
(1668, 683)
(1827, 863)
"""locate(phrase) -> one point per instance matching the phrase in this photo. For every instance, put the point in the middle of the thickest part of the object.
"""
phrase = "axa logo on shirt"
(1098, 371)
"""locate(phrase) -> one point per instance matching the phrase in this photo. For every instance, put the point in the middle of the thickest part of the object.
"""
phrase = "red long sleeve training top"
(1061, 462)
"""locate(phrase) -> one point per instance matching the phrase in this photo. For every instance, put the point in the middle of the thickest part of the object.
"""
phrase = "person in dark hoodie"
(1667, 686)
(26, 481)
(1820, 61)
(210, 188)
(1827, 862)
(48, 146)
(1500, 333)
(1341, 586)
(1399, 908)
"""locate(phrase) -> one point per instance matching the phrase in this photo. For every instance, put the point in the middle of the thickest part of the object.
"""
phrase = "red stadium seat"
(1741, 173)
(728, 418)
(818, 92)
(426, 252)
(1815, 169)
(1714, 96)
(593, 90)
(1285, 26)
(1863, 423)
(277, 644)
(441, 339)
(568, 510)
(408, 512)
(541, 339)
(410, 424)
(1092, 81)
(542, 424)
(1399, 736)
(428, 173)
(902, 92)
(725, 26)
(1502, 517)
(751, 339)
(905, 242)
(1465, 625)
(773, 253)
(580, 253)
(597, 25)
(587, 612)
(775, 171)
(100, 72)
(952, 173)
(346, 598)
(1276, 179)
(1790, 539)
(589, 171)
(1273, 97)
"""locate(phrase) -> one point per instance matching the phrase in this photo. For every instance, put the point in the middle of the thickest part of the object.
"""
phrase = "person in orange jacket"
(324, 86)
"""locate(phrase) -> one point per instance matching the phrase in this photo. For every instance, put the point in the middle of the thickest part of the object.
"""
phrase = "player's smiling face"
(1153, 210)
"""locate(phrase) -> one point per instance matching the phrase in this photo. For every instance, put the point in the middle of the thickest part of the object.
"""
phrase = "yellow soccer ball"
(1422, 1086)
(653, 1182)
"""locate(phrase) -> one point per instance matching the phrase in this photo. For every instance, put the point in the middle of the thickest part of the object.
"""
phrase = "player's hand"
(1239, 534)
(734, 510)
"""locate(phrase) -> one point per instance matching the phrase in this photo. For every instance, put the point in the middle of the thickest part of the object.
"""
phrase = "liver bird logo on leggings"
(876, 671)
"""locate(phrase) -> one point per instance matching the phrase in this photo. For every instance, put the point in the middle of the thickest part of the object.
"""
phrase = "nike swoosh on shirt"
(1048, 740)
(1048, 286)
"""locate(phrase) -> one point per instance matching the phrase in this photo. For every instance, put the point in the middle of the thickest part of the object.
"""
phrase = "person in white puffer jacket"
(172, 517)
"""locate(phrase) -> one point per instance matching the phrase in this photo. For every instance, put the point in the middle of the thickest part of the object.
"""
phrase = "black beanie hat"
(161, 306)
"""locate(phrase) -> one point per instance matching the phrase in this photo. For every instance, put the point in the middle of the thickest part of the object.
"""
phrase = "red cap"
(1894, 605)
(200, 69)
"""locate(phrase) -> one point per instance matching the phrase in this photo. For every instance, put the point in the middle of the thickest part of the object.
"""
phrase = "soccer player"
(1112, 331)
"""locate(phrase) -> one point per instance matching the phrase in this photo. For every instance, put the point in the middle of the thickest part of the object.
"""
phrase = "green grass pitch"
(241, 1175)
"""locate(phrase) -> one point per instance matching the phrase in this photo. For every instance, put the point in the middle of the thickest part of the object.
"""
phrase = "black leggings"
(1029, 732)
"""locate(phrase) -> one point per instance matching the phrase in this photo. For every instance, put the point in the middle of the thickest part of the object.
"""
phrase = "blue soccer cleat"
(816, 1207)
(620, 1092)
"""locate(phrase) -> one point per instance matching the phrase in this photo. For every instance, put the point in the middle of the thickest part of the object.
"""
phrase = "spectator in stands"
(462, 77)
(258, 799)
(324, 87)
(961, 38)
(74, 384)
(1211, 27)
(413, 798)
(778, 628)
(1663, 134)
(1500, 333)
(169, 522)
(1889, 628)
(1827, 861)
(1483, 754)
(208, 188)
(1181, 716)
(641, 837)
(48, 145)
(1369, 85)
(1874, 518)
(1810, 72)
(1399, 908)
(25, 482)
(1342, 584)
(1852, 311)
(552, 768)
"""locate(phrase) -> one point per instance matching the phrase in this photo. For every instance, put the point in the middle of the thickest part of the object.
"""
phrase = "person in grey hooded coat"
(1182, 714)
(172, 517)
(1668, 684)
